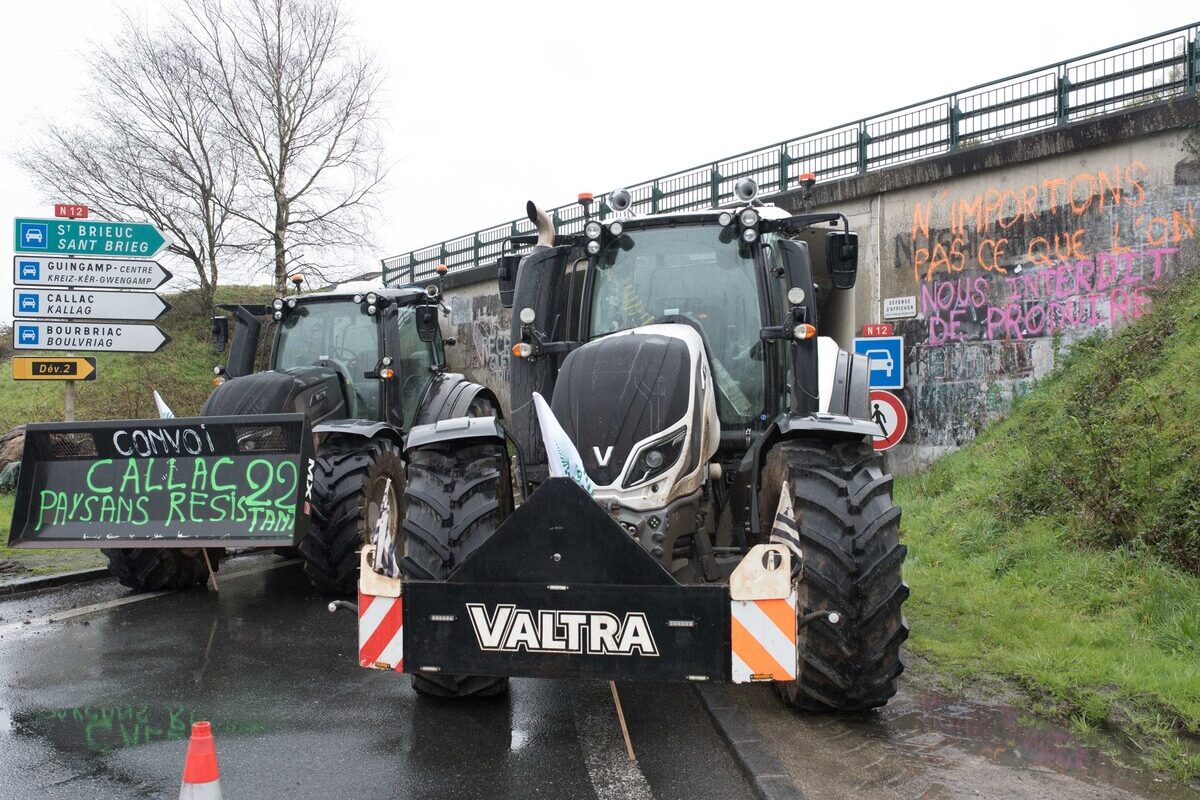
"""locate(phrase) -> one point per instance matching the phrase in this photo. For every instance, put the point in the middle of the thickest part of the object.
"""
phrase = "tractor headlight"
(724, 219)
(593, 247)
(277, 304)
(749, 235)
(372, 298)
(592, 230)
(748, 218)
(616, 228)
(656, 458)
(291, 302)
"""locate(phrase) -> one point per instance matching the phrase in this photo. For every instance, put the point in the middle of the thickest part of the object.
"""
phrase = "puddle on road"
(924, 722)
(103, 729)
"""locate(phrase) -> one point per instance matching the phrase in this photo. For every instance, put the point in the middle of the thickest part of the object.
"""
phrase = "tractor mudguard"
(456, 429)
(163, 483)
(451, 395)
(561, 590)
(362, 428)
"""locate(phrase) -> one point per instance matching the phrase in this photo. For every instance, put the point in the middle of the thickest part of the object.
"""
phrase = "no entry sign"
(886, 411)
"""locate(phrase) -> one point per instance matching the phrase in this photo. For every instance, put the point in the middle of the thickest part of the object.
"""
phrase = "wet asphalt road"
(97, 705)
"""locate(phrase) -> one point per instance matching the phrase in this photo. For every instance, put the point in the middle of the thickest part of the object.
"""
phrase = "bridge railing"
(1135, 73)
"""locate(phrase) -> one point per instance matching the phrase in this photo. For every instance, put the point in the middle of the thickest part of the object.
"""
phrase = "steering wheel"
(345, 355)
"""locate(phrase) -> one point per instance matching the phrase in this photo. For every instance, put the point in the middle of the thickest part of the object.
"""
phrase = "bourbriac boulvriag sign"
(187, 482)
(87, 237)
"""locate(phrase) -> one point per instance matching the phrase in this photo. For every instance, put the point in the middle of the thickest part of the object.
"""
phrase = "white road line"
(71, 613)
(613, 775)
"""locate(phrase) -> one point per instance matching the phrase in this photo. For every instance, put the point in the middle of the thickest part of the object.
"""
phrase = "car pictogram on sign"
(34, 235)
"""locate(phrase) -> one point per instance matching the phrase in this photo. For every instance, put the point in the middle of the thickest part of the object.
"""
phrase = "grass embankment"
(1061, 550)
(123, 389)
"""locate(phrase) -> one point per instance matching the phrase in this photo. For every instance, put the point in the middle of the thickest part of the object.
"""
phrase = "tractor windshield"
(703, 273)
(336, 334)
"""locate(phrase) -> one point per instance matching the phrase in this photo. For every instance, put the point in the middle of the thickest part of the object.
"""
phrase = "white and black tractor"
(726, 515)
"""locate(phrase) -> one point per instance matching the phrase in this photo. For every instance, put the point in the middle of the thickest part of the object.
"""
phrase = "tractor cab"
(350, 354)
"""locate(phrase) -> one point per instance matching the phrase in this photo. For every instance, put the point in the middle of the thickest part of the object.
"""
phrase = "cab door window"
(414, 370)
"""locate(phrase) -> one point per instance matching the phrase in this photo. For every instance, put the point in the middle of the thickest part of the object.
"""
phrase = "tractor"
(700, 496)
(358, 367)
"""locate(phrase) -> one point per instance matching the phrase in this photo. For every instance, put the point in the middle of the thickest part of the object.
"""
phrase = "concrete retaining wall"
(1012, 251)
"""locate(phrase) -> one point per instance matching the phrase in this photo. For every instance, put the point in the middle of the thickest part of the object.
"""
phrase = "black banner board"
(184, 482)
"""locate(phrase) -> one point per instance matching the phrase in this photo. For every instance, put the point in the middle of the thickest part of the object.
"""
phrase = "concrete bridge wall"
(1013, 251)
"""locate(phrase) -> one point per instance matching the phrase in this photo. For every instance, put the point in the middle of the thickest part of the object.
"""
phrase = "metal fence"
(1135, 73)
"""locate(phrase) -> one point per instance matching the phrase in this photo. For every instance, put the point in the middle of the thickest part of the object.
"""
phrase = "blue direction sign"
(887, 360)
(87, 237)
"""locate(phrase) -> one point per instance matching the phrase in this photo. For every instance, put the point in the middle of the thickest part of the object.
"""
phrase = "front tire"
(456, 498)
(849, 534)
(350, 477)
(159, 569)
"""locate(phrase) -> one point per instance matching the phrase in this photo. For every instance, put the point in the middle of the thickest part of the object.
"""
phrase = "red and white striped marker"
(380, 632)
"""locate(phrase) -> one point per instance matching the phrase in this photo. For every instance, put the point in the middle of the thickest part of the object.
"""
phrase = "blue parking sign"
(887, 359)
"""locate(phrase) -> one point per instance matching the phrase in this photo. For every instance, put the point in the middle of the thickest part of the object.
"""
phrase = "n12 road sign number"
(50, 368)
(887, 360)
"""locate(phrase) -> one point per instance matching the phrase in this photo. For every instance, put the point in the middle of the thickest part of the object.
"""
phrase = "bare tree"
(153, 150)
(298, 101)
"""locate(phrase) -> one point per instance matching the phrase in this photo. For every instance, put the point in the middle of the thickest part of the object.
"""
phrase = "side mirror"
(427, 322)
(220, 333)
(506, 275)
(841, 258)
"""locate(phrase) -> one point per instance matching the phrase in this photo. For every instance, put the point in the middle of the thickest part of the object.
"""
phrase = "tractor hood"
(628, 393)
(313, 391)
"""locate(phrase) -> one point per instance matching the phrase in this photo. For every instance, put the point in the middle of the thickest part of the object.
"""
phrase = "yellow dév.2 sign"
(53, 368)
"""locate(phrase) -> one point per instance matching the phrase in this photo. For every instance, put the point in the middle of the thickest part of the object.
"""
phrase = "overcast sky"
(489, 104)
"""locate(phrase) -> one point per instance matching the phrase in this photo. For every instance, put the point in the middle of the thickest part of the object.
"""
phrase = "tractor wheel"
(456, 498)
(849, 535)
(351, 477)
(158, 569)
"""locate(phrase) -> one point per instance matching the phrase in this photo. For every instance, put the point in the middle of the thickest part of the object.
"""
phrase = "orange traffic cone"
(201, 778)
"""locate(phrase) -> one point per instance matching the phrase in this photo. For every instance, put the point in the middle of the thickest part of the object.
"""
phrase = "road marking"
(613, 775)
(71, 613)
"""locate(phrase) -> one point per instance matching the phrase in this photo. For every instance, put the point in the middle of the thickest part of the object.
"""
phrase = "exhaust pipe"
(545, 228)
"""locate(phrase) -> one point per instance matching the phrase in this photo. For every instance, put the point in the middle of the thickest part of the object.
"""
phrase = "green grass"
(123, 389)
(1061, 550)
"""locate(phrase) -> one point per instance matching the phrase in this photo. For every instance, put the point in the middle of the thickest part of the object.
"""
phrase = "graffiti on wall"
(481, 326)
(1069, 252)
(1006, 276)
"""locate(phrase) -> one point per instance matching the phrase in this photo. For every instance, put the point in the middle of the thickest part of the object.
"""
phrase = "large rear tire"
(849, 533)
(350, 478)
(456, 497)
(160, 569)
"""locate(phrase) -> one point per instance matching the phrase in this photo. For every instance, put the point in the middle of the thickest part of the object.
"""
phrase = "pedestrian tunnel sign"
(887, 360)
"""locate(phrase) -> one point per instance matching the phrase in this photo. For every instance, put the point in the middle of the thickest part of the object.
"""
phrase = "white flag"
(564, 458)
(164, 411)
